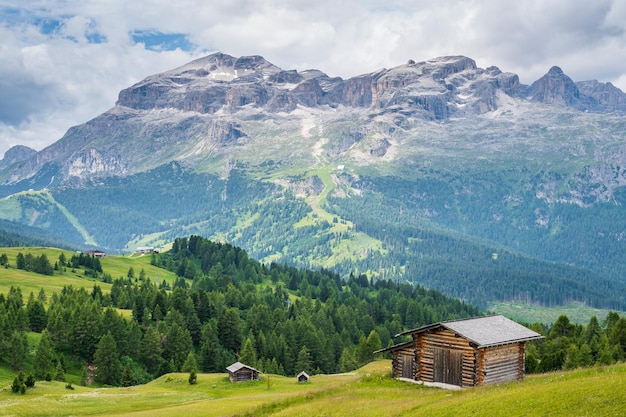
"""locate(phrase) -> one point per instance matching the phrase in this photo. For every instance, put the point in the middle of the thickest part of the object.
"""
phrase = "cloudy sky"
(63, 62)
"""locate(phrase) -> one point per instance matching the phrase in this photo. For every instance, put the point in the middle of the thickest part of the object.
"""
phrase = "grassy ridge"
(367, 392)
(116, 266)
(576, 312)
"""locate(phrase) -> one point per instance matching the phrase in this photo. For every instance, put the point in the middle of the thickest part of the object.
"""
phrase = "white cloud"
(63, 62)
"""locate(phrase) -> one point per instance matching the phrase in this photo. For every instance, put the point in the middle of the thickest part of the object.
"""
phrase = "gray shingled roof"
(237, 366)
(484, 331)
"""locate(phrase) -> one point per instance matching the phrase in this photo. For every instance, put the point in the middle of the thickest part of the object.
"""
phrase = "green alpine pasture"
(369, 391)
(524, 312)
(115, 265)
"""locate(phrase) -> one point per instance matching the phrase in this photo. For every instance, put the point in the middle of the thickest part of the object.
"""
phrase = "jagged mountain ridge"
(298, 166)
(236, 89)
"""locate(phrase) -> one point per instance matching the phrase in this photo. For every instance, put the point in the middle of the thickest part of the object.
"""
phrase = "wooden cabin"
(303, 377)
(467, 353)
(239, 372)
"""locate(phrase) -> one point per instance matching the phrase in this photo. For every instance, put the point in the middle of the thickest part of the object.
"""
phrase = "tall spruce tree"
(248, 354)
(150, 351)
(304, 361)
(107, 360)
(45, 357)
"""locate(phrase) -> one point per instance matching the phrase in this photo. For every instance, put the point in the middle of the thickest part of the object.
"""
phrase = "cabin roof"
(238, 365)
(395, 347)
(304, 374)
(483, 331)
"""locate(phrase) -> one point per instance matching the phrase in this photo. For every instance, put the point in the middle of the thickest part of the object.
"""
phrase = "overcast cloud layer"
(63, 62)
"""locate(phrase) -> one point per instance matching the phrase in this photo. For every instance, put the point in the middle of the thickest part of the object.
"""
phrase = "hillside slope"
(368, 392)
(436, 172)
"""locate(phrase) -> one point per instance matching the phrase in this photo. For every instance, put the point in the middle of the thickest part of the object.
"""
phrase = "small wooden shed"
(303, 377)
(469, 352)
(239, 372)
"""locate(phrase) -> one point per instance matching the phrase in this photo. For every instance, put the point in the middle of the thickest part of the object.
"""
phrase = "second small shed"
(469, 352)
(239, 372)
(303, 377)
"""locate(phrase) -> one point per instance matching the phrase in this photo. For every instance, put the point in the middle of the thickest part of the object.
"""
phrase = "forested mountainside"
(225, 306)
(438, 172)
(16, 234)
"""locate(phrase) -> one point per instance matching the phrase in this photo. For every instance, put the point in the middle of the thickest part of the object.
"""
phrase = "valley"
(418, 173)
(218, 305)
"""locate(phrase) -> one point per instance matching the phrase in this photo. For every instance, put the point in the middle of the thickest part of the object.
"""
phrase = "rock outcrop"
(207, 105)
(607, 97)
(16, 154)
(557, 88)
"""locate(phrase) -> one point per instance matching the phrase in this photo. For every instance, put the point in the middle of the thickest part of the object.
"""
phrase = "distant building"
(96, 253)
(466, 353)
(303, 377)
(145, 249)
(239, 372)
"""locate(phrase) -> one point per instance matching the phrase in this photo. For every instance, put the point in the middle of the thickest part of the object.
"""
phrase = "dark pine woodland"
(226, 307)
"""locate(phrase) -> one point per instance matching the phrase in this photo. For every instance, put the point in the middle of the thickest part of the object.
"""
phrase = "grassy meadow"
(576, 312)
(367, 392)
(114, 265)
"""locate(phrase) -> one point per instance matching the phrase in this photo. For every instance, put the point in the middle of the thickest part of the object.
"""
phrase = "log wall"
(441, 355)
(398, 361)
(426, 344)
(243, 375)
(503, 363)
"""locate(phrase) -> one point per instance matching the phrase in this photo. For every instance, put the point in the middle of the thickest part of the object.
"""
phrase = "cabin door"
(448, 366)
(407, 366)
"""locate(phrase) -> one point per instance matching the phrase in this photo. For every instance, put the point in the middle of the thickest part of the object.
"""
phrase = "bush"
(30, 381)
(192, 377)
(18, 385)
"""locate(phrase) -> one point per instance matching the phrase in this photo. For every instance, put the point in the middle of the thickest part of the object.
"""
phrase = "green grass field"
(367, 392)
(528, 313)
(116, 265)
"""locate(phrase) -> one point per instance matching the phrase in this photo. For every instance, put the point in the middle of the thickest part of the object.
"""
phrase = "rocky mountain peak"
(220, 66)
(16, 154)
(215, 103)
(608, 97)
(555, 71)
(557, 88)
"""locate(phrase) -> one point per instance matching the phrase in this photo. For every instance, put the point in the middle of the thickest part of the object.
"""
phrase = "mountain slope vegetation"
(367, 392)
(212, 305)
(422, 173)
(216, 305)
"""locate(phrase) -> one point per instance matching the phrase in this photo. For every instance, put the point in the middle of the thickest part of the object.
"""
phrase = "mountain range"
(436, 172)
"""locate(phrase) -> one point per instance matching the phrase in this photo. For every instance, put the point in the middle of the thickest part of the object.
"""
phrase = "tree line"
(568, 345)
(223, 307)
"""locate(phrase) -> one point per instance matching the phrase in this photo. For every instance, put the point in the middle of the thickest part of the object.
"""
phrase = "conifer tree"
(304, 362)
(192, 376)
(128, 379)
(190, 363)
(248, 355)
(209, 349)
(18, 386)
(45, 357)
(107, 360)
(347, 362)
(150, 351)
(18, 349)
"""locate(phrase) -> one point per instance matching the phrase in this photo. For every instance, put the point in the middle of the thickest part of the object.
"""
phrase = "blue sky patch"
(48, 26)
(159, 41)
